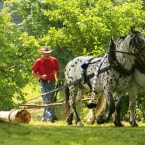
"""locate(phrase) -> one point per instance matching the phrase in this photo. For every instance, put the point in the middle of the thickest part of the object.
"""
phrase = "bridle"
(137, 46)
(124, 52)
(114, 62)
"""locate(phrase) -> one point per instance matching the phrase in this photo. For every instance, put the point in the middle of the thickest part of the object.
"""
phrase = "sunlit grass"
(59, 133)
(38, 133)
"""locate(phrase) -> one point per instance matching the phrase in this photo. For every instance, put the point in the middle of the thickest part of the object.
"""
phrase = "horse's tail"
(95, 112)
(66, 106)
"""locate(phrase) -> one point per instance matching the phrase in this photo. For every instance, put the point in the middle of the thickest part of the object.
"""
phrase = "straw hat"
(44, 49)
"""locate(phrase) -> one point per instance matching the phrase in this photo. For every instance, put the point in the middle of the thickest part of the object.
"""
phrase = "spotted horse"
(120, 60)
(136, 86)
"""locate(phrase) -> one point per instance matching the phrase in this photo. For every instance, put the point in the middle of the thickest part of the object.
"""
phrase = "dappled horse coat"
(107, 82)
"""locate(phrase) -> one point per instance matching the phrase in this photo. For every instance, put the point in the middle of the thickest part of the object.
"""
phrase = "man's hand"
(44, 77)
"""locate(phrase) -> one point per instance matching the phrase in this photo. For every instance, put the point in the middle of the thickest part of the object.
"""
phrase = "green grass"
(38, 133)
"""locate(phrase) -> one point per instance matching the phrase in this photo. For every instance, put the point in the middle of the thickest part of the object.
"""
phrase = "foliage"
(85, 27)
(141, 107)
(15, 58)
(71, 28)
(125, 108)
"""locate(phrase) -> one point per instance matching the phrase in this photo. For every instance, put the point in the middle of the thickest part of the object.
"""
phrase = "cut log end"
(19, 116)
(23, 116)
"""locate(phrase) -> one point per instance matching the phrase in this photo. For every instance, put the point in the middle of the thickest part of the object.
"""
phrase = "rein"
(123, 52)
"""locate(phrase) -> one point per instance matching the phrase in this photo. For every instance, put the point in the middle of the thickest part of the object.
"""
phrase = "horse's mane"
(122, 37)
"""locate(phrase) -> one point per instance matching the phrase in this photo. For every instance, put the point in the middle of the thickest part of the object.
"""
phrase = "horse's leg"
(75, 96)
(69, 119)
(132, 104)
(118, 103)
(76, 116)
(81, 91)
(111, 108)
(68, 111)
(73, 111)
(93, 113)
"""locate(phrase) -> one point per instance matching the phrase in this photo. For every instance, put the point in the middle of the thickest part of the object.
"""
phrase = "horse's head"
(126, 48)
(133, 43)
(137, 40)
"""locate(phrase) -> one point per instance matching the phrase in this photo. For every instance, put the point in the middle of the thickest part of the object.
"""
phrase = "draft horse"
(136, 86)
(120, 58)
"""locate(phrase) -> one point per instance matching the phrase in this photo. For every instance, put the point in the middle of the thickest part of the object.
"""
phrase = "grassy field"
(38, 133)
(46, 133)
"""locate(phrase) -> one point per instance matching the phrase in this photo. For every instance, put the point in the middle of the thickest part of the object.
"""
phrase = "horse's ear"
(112, 39)
(112, 43)
(132, 29)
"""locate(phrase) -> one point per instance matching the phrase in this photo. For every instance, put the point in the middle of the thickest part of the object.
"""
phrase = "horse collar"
(116, 65)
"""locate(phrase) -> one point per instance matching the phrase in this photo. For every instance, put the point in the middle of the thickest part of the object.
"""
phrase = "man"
(45, 69)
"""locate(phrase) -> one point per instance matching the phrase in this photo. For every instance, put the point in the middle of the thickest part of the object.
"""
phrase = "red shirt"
(46, 66)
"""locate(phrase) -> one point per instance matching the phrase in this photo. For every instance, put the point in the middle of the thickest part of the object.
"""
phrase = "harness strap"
(85, 79)
(116, 65)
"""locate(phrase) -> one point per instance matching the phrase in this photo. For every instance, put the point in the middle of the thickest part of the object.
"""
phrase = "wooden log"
(18, 116)
(31, 106)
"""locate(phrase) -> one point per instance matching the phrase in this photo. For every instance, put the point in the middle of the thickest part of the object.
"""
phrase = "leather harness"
(116, 65)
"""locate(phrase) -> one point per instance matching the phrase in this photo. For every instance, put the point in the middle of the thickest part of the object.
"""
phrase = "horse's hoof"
(100, 120)
(79, 123)
(68, 122)
(90, 121)
(133, 124)
(118, 124)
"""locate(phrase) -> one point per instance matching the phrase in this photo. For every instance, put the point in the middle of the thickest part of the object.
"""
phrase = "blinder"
(138, 42)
